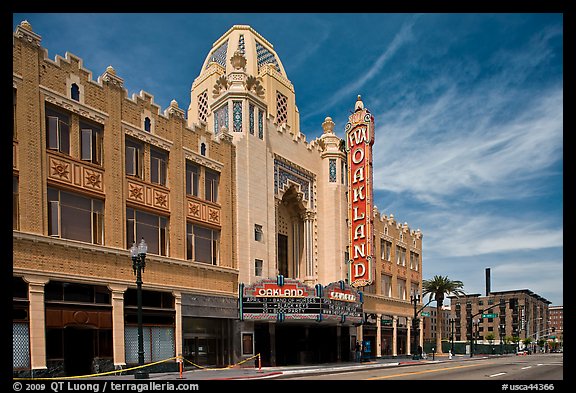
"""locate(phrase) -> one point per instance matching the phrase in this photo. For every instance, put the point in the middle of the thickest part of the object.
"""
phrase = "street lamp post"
(415, 299)
(452, 322)
(502, 327)
(138, 254)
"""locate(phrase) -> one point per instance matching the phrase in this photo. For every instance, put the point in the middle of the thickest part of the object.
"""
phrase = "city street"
(540, 367)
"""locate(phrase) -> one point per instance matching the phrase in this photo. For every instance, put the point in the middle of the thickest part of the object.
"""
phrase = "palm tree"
(438, 288)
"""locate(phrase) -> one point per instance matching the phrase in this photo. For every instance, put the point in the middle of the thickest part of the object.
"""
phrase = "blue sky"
(468, 111)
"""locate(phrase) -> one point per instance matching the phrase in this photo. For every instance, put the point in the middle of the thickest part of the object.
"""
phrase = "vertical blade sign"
(359, 141)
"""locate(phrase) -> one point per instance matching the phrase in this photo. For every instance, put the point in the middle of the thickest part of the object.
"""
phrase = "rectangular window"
(58, 131)
(414, 260)
(91, 143)
(251, 117)
(75, 217)
(386, 282)
(220, 119)
(237, 116)
(202, 244)
(15, 204)
(258, 232)
(258, 263)
(158, 165)
(192, 178)
(332, 170)
(211, 180)
(343, 172)
(134, 158)
(260, 124)
(402, 289)
(400, 256)
(151, 227)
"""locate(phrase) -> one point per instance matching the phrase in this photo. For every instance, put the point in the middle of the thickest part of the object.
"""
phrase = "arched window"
(75, 92)
(147, 124)
(203, 149)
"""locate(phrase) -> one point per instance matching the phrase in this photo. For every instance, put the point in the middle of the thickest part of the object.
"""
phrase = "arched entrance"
(290, 234)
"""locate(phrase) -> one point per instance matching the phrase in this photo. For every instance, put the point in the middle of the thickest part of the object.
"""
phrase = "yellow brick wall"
(34, 251)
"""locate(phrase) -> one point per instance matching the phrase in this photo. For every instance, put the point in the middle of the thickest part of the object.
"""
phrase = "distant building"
(556, 333)
(516, 313)
(430, 323)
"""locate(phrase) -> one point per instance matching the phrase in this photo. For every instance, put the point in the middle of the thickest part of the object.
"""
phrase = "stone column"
(178, 329)
(37, 321)
(394, 335)
(378, 336)
(308, 218)
(296, 246)
(118, 346)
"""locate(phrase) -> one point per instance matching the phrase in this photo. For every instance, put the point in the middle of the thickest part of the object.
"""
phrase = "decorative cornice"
(144, 136)
(74, 106)
(202, 160)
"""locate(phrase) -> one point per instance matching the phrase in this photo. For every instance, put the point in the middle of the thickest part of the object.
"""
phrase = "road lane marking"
(424, 372)
(524, 368)
(496, 375)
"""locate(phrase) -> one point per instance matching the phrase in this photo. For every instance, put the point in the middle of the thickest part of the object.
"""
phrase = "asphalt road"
(539, 367)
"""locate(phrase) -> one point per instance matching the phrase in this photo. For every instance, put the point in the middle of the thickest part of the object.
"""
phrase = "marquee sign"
(289, 299)
(359, 141)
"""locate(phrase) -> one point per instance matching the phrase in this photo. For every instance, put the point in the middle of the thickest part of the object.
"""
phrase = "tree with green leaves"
(438, 288)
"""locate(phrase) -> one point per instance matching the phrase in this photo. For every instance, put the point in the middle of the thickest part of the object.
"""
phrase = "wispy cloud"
(351, 89)
(468, 233)
(433, 151)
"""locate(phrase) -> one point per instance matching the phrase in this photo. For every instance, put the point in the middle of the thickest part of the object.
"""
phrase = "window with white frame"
(192, 178)
(401, 289)
(386, 285)
(91, 143)
(134, 158)
(400, 256)
(75, 217)
(58, 130)
(153, 228)
(202, 244)
(158, 166)
(211, 181)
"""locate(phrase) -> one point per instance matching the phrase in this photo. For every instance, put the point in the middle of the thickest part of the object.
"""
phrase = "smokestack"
(487, 281)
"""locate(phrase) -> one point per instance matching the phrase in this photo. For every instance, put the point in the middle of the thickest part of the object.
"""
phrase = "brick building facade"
(228, 192)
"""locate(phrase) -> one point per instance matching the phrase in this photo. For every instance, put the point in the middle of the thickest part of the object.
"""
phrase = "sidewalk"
(235, 373)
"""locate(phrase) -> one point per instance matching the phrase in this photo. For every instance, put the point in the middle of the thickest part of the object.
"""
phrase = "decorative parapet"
(148, 195)
(213, 68)
(174, 110)
(203, 211)
(270, 69)
(110, 77)
(24, 32)
(74, 173)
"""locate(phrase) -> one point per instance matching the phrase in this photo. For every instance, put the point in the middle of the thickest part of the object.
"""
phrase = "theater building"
(247, 223)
